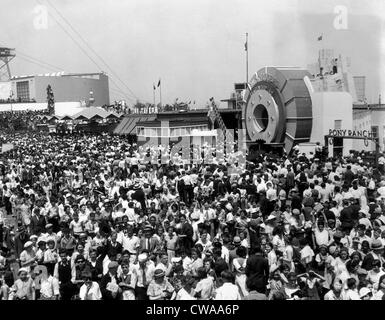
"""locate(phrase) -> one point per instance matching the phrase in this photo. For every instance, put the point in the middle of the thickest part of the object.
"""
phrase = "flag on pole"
(159, 83)
(320, 37)
(154, 86)
(246, 46)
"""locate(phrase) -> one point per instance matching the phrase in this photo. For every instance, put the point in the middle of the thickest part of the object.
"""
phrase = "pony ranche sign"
(351, 133)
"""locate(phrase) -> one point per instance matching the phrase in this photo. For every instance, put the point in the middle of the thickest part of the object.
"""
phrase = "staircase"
(214, 114)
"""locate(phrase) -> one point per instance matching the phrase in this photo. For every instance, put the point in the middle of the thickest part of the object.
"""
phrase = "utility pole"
(247, 59)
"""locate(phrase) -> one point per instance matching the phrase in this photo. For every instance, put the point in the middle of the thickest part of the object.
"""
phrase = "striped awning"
(128, 124)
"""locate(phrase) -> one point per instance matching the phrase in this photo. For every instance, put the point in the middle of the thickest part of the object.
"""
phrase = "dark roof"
(91, 112)
(179, 122)
(370, 106)
(128, 124)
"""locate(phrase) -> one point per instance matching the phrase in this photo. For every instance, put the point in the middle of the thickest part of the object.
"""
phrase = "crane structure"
(6, 56)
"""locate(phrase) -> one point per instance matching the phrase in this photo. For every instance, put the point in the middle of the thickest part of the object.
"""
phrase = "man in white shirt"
(49, 287)
(129, 242)
(180, 293)
(145, 272)
(90, 290)
(228, 291)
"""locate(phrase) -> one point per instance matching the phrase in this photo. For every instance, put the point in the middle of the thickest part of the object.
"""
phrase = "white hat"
(195, 215)
(307, 193)
(22, 270)
(364, 291)
(142, 257)
(271, 217)
(28, 244)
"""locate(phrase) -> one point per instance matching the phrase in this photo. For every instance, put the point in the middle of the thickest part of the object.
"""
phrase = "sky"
(196, 47)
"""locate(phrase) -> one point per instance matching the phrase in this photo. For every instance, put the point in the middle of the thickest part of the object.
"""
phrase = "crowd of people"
(85, 217)
(11, 121)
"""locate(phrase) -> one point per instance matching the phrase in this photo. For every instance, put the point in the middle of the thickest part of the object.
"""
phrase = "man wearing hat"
(24, 287)
(28, 257)
(145, 272)
(20, 239)
(233, 252)
(159, 288)
(139, 195)
(365, 293)
(109, 284)
(37, 221)
(376, 254)
(50, 235)
(148, 241)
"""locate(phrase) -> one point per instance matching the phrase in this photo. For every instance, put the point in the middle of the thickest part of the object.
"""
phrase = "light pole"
(91, 100)
(10, 99)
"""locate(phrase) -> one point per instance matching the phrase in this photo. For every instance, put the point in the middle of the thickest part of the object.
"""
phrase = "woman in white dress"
(239, 266)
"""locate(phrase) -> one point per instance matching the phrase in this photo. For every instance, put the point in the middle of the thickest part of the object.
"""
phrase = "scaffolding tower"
(6, 55)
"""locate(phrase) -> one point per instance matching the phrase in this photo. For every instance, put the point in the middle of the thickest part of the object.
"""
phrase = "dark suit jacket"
(97, 269)
(139, 196)
(106, 294)
(37, 222)
(187, 230)
(114, 250)
(367, 262)
(219, 266)
(258, 267)
(153, 243)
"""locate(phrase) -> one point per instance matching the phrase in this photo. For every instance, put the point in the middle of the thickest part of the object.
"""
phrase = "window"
(337, 124)
(164, 132)
(22, 90)
(375, 131)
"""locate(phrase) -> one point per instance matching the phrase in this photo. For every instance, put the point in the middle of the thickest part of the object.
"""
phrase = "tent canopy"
(113, 115)
(66, 118)
(91, 112)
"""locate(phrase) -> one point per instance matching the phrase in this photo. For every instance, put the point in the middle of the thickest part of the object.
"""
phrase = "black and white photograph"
(208, 151)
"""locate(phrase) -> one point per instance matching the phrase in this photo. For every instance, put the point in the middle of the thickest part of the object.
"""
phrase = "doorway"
(338, 145)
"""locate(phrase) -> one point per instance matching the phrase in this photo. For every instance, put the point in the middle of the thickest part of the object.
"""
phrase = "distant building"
(359, 83)
(325, 57)
(371, 118)
(66, 87)
(72, 91)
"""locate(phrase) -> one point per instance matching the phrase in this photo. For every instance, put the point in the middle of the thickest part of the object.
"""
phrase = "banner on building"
(6, 147)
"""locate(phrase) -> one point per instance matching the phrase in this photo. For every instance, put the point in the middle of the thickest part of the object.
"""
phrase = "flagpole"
(160, 92)
(153, 91)
(247, 60)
